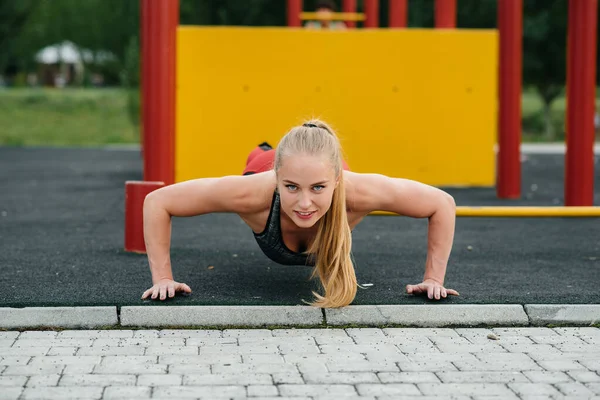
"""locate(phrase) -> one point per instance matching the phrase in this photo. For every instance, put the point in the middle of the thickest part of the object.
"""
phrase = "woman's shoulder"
(364, 191)
(258, 189)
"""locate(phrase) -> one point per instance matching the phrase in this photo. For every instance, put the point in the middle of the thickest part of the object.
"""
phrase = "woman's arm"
(238, 194)
(417, 200)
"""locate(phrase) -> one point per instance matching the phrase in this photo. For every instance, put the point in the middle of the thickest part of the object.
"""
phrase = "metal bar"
(445, 14)
(398, 10)
(349, 6)
(159, 20)
(316, 16)
(510, 25)
(516, 211)
(581, 96)
(294, 8)
(372, 13)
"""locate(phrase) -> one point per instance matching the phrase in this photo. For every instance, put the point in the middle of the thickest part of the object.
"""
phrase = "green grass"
(92, 117)
(65, 117)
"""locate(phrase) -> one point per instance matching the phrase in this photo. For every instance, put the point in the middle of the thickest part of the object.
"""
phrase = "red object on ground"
(581, 96)
(260, 160)
(371, 13)
(159, 20)
(135, 193)
(510, 26)
(294, 8)
(445, 13)
(349, 6)
(398, 13)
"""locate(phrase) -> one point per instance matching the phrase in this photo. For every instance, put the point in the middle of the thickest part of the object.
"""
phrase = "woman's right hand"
(165, 287)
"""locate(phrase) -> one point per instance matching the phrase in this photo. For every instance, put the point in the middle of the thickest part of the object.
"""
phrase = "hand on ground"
(431, 288)
(164, 288)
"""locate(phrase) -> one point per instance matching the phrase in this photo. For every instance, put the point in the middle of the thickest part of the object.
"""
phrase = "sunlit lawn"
(65, 117)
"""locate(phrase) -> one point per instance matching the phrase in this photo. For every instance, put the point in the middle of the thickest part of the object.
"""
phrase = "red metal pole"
(581, 96)
(445, 13)
(371, 13)
(135, 194)
(294, 8)
(159, 20)
(510, 25)
(349, 6)
(398, 13)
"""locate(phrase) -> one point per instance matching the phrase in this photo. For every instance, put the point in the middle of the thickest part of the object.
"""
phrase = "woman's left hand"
(433, 289)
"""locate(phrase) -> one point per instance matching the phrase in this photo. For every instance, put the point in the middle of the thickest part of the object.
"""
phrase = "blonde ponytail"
(333, 242)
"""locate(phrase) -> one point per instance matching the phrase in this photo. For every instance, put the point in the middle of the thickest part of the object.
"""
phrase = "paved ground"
(500, 363)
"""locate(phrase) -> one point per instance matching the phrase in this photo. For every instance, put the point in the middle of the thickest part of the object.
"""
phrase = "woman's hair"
(333, 242)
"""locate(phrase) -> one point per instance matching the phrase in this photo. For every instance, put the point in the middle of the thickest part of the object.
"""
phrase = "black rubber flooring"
(62, 228)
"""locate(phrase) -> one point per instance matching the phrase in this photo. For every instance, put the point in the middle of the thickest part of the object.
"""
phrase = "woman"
(302, 202)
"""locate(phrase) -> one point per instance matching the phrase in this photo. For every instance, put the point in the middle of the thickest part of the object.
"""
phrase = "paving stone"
(481, 377)
(389, 389)
(10, 380)
(468, 389)
(350, 378)
(126, 392)
(584, 376)
(62, 393)
(44, 380)
(547, 376)
(228, 379)
(199, 391)
(574, 389)
(262, 390)
(538, 389)
(11, 393)
(317, 390)
(15, 360)
(408, 377)
(97, 380)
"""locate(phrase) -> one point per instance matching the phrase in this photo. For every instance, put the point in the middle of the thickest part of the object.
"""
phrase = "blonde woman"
(302, 202)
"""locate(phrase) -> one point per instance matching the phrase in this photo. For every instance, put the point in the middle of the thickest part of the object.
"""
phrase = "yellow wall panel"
(418, 104)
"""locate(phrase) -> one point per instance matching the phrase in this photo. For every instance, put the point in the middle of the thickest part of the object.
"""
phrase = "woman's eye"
(318, 188)
(291, 187)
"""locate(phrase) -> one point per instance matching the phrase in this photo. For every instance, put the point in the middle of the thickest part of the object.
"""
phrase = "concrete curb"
(220, 316)
(542, 314)
(63, 317)
(430, 315)
(425, 315)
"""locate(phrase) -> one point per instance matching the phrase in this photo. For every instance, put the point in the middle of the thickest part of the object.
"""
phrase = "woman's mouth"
(304, 215)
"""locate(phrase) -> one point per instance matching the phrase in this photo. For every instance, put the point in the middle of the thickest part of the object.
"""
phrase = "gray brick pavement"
(390, 363)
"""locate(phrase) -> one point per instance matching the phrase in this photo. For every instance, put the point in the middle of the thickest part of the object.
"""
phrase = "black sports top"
(271, 241)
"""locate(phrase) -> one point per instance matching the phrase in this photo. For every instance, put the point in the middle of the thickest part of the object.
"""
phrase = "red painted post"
(510, 26)
(398, 13)
(135, 193)
(371, 13)
(349, 6)
(159, 20)
(445, 13)
(294, 8)
(581, 96)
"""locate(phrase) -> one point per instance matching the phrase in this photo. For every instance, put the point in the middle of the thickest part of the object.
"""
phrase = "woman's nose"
(305, 201)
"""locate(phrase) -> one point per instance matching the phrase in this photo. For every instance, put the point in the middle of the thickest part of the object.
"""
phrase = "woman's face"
(305, 185)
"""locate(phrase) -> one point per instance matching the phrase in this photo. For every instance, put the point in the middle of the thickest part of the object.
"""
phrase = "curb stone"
(220, 315)
(563, 313)
(426, 315)
(429, 315)
(64, 317)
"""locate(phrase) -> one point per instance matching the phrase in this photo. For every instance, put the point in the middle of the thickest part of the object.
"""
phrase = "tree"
(544, 51)
(14, 15)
